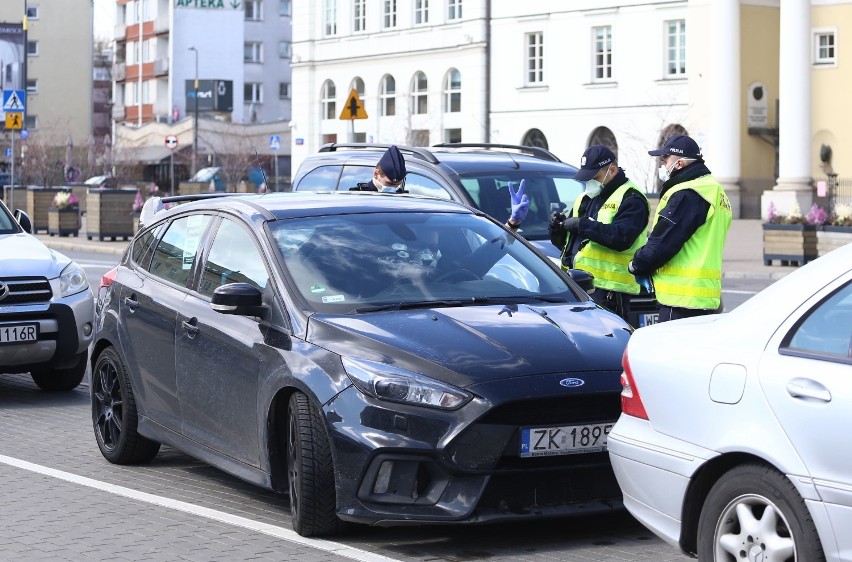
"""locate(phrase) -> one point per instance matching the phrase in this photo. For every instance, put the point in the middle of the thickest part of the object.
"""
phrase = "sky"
(104, 18)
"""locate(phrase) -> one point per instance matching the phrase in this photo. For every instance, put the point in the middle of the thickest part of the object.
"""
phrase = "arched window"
(419, 101)
(358, 85)
(535, 137)
(605, 137)
(668, 131)
(387, 96)
(452, 91)
(329, 106)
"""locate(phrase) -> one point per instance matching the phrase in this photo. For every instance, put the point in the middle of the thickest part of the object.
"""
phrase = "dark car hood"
(474, 344)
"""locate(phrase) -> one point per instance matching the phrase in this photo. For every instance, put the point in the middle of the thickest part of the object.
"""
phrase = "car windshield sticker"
(399, 246)
(317, 288)
(333, 298)
(194, 229)
(402, 254)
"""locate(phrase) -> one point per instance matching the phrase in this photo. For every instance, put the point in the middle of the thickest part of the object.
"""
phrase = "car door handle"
(805, 388)
(130, 303)
(190, 327)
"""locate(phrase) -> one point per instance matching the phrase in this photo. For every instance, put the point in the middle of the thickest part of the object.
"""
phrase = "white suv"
(46, 308)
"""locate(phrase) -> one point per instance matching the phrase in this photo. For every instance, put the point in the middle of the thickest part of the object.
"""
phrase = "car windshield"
(362, 262)
(546, 190)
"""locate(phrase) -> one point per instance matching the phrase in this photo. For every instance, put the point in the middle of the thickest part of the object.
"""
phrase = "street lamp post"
(195, 115)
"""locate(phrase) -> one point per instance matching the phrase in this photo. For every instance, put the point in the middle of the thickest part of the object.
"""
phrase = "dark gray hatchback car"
(471, 173)
(385, 359)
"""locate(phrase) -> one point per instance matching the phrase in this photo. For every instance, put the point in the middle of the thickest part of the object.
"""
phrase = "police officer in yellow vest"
(683, 254)
(606, 225)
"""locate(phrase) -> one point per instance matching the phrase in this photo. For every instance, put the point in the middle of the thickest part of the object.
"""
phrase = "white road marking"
(278, 532)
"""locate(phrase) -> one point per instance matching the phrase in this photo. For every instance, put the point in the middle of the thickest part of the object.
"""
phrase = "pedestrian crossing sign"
(14, 100)
(14, 120)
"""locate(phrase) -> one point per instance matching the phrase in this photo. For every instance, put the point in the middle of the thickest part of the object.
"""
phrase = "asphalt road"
(62, 501)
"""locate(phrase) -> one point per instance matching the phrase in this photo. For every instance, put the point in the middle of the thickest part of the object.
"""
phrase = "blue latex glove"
(644, 282)
(520, 203)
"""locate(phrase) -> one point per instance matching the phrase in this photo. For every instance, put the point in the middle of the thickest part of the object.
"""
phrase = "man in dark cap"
(683, 254)
(606, 225)
(389, 174)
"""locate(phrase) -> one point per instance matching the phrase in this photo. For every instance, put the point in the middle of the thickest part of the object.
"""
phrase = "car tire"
(114, 413)
(732, 525)
(310, 471)
(52, 380)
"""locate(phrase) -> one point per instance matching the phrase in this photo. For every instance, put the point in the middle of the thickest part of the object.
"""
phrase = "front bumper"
(410, 465)
(65, 331)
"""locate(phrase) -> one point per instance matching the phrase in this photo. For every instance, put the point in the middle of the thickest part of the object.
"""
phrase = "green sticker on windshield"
(317, 288)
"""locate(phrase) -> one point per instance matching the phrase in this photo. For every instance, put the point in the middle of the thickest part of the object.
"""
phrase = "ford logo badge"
(572, 383)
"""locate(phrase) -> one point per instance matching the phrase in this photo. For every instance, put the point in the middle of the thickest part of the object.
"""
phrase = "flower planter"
(63, 221)
(109, 213)
(39, 200)
(832, 237)
(790, 244)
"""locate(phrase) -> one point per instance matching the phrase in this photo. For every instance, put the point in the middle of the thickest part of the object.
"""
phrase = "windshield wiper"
(517, 299)
(411, 305)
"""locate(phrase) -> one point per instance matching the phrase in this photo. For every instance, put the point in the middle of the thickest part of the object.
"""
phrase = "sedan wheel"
(114, 413)
(753, 513)
(310, 471)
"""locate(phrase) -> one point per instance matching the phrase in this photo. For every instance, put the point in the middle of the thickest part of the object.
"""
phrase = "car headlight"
(398, 385)
(72, 280)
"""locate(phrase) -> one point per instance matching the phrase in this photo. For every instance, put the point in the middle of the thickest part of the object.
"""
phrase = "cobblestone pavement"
(45, 517)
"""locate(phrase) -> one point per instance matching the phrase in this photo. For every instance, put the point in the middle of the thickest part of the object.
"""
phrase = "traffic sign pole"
(12, 190)
(172, 171)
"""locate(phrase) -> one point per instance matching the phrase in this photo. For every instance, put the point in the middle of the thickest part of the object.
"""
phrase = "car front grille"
(24, 290)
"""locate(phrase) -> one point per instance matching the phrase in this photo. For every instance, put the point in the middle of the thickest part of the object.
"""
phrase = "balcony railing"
(120, 31)
(161, 66)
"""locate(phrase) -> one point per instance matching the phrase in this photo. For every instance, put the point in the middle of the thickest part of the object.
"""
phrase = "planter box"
(63, 221)
(832, 237)
(109, 213)
(39, 200)
(791, 244)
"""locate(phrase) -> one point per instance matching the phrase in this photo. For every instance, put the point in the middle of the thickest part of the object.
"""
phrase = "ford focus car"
(734, 441)
(383, 359)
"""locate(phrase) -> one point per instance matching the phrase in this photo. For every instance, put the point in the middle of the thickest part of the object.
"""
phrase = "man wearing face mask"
(606, 225)
(683, 254)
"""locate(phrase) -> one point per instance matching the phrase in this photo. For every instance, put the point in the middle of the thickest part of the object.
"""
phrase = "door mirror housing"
(242, 299)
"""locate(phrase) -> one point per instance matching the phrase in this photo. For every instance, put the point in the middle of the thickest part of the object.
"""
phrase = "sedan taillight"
(631, 402)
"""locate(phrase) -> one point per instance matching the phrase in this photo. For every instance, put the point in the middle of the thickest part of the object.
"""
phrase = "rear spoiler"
(155, 205)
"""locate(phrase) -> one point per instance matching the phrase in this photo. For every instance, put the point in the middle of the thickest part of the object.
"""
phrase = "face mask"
(594, 187)
(664, 173)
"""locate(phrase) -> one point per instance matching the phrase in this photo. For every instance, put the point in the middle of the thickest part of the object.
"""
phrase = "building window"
(358, 86)
(387, 96)
(283, 90)
(253, 51)
(676, 48)
(32, 86)
(253, 92)
(32, 48)
(285, 7)
(149, 87)
(419, 100)
(421, 11)
(452, 135)
(825, 47)
(452, 91)
(454, 9)
(329, 18)
(359, 15)
(149, 50)
(389, 14)
(329, 106)
(254, 10)
(284, 49)
(32, 12)
(535, 58)
(602, 51)
(30, 122)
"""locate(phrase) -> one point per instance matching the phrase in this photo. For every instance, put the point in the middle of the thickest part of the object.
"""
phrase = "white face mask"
(664, 173)
(594, 187)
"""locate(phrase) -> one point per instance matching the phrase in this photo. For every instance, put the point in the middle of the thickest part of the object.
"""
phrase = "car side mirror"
(24, 220)
(584, 279)
(238, 298)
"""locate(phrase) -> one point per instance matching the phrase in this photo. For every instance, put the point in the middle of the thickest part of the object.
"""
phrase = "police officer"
(606, 225)
(683, 254)
(388, 175)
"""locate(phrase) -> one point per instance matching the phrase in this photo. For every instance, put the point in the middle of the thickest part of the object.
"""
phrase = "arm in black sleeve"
(685, 212)
(629, 221)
